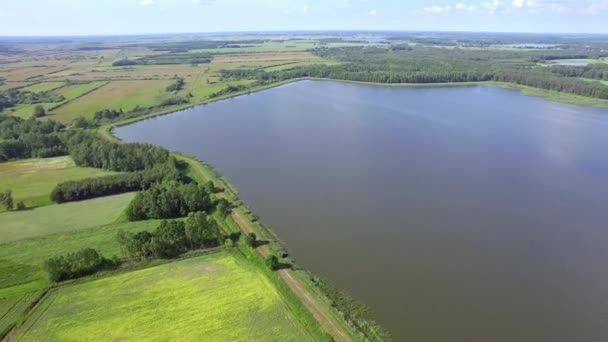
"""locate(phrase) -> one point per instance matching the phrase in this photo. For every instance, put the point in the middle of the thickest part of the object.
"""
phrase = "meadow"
(32, 180)
(69, 93)
(59, 218)
(21, 261)
(218, 297)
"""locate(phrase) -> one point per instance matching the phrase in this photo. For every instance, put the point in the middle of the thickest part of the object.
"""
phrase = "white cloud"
(532, 6)
(437, 9)
(147, 2)
(372, 12)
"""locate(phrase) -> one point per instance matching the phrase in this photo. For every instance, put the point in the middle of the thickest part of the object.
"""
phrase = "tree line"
(439, 65)
(89, 149)
(88, 188)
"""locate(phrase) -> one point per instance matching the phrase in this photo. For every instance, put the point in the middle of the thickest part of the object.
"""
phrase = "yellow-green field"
(58, 218)
(32, 180)
(43, 86)
(219, 297)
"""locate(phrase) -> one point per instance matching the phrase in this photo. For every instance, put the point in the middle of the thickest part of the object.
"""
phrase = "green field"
(21, 261)
(219, 297)
(69, 93)
(124, 95)
(60, 218)
(43, 86)
(32, 180)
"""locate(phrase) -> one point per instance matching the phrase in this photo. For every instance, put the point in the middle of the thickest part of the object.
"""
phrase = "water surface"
(457, 214)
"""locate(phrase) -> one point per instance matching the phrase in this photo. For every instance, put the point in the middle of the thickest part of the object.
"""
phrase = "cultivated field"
(219, 297)
(59, 218)
(124, 95)
(32, 180)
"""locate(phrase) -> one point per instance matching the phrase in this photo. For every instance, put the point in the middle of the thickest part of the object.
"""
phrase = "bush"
(251, 239)
(74, 265)
(6, 199)
(173, 101)
(39, 111)
(272, 262)
(21, 206)
(124, 62)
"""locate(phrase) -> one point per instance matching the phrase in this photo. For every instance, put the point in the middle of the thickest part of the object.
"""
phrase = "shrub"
(272, 262)
(74, 265)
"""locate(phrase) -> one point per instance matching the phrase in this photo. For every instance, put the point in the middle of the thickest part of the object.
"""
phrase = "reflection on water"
(460, 214)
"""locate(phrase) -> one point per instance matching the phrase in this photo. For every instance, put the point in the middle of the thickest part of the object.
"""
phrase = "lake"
(456, 214)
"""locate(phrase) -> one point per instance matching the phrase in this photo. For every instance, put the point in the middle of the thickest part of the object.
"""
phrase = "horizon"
(67, 18)
(309, 32)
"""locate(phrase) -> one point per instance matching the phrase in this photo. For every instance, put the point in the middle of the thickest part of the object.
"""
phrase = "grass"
(554, 95)
(32, 180)
(17, 225)
(74, 91)
(218, 297)
(42, 86)
(69, 93)
(124, 95)
(21, 261)
(12, 309)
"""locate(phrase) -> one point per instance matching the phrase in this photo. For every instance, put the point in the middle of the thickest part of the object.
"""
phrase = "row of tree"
(88, 188)
(172, 238)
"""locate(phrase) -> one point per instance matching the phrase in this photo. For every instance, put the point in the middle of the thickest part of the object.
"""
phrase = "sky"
(111, 17)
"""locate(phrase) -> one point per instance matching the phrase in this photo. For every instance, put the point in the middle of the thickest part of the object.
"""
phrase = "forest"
(422, 64)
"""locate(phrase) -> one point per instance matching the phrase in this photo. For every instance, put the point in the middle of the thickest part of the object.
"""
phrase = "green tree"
(39, 111)
(6, 198)
(202, 230)
(169, 239)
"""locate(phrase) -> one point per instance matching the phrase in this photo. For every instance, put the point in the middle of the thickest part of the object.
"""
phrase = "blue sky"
(85, 17)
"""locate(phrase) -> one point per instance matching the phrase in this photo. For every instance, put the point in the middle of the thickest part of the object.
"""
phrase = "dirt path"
(319, 310)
